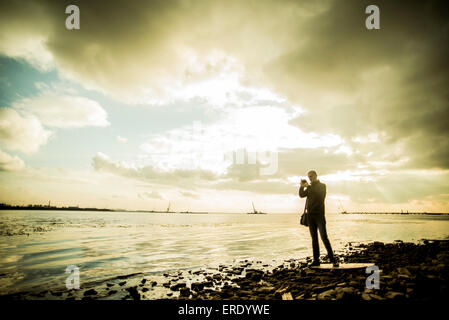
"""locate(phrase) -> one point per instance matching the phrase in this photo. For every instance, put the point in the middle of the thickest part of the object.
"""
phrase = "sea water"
(36, 247)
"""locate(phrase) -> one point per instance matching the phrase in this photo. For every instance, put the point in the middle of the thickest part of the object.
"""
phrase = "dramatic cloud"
(164, 45)
(64, 111)
(21, 133)
(103, 163)
(28, 33)
(357, 82)
(10, 163)
(394, 80)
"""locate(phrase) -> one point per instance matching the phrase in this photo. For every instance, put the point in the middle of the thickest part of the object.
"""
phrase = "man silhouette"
(316, 193)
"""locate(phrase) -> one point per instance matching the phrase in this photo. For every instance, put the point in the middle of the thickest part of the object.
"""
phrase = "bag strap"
(305, 206)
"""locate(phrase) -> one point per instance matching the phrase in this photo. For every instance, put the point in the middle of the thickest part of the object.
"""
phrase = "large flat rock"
(343, 266)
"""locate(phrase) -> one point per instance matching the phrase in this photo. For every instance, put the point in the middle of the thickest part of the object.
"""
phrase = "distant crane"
(341, 208)
(168, 208)
(255, 211)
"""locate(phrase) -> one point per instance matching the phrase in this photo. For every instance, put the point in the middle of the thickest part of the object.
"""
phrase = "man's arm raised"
(303, 192)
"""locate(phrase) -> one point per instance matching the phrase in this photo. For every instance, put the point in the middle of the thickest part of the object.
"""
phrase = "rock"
(112, 292)
(90, 292)
(253, 274)
(153, 283)
(109, 284)
(376, 297)
(366, 297)
(345, 293)
(143, 281)
(322, 288)
(287, 296)
(178, 286)
(133, 293)
(378, 244)
(145, 289)
(247, 293)
(184, 292)
(208, 283)
(235, 271)
(403, 277)
(265, 290)
(242, 282)
(197, 286)
(394, 295)
(326, 295)
(122, 283)
(404, 271)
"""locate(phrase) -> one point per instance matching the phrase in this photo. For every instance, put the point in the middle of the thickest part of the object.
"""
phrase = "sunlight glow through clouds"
(215, 78)
(256, 129)
(359, 175)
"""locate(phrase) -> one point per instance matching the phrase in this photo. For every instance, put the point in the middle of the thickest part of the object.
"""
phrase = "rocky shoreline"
(408, 272)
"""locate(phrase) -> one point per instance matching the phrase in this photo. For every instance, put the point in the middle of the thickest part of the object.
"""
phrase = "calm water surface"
(37, 246)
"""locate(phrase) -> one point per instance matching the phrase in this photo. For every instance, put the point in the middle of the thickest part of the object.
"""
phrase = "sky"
(213, 105)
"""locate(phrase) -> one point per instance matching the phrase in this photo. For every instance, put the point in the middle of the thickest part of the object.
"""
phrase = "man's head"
(312, 176)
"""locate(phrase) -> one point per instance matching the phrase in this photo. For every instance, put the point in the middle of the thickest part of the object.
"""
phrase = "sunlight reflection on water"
(37, 246)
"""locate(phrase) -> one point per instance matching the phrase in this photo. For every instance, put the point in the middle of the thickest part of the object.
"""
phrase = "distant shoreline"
(398, 213)
(4, 206)
(54, 208)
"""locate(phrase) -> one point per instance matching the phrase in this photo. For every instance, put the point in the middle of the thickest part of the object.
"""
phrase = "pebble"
(177, 286)
(90, 292)
(394, 295)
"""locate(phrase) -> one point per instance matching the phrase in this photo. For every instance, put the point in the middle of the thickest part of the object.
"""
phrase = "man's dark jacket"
(315, 193)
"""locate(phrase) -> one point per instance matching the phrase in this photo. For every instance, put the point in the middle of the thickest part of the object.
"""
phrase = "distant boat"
(168, 208)
(255, 211)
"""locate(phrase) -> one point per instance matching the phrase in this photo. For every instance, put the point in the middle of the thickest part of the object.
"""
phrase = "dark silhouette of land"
(402, 212)
(4, 206)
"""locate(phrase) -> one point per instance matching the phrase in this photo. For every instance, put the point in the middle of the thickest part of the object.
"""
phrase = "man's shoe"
(315, 264)
(335, 263)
